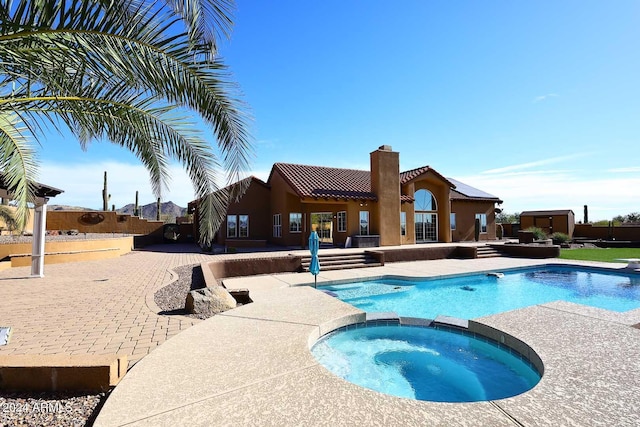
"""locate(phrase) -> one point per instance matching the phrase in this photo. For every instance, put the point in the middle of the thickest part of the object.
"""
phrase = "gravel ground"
(172, 297)
(49, 409)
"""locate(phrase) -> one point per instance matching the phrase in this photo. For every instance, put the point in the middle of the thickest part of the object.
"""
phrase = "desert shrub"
(560, 238)
(538, 233)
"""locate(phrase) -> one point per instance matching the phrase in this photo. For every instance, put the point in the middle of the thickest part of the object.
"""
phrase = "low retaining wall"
(245, 243)
(250, 267)
(529, 250)
(89, 372)
(423, 253)
(68, 250)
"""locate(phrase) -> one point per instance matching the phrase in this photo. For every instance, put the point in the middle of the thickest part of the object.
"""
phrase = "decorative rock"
(209, 301)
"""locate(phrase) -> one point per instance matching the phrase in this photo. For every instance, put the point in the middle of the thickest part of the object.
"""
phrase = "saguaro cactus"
(105, 194)
(136, 208)
(586, 214)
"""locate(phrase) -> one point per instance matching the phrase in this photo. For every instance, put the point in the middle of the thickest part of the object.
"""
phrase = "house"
(380, 207)
(561, 221)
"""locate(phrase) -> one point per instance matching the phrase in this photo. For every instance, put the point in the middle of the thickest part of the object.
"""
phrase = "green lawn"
(600, 254)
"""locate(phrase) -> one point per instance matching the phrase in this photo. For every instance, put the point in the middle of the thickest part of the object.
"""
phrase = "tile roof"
(409, 175)
(325, 182)
(335, 183)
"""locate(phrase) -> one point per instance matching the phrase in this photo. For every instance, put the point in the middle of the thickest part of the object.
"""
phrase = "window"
(295, 222)
(483, 222)
(232, 226)
(364, 223)
(453, 221)
(424, 201)
(342, 222)
(403, 223)
(243, 221)
(277, 225)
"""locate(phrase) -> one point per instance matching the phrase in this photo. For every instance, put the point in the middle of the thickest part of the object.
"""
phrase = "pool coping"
(252, 365)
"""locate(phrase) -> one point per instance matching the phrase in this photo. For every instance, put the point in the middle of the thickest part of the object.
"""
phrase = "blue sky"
(535, 102)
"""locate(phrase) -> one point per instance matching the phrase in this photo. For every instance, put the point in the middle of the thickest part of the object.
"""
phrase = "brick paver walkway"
(101, 307)
(95, 307)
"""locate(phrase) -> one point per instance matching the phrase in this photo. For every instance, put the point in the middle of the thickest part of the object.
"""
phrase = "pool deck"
(252, 365)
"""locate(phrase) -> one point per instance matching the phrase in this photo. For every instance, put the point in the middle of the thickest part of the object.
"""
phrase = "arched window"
(424, 201)
(426, 216)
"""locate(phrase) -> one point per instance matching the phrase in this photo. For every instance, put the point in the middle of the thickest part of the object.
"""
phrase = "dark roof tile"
(410, 175)
(325, 182)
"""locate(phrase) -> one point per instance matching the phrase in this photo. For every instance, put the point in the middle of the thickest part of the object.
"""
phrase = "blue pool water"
(480, 295)
(425, 363)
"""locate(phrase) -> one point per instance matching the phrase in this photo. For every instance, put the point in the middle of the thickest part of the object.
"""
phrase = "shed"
(551, 221)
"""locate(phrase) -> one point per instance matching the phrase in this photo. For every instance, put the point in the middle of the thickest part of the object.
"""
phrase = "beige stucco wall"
(68, 251)
(100, 222)
(254, 203)
(385, 184)
(441, 192)
(466, 211)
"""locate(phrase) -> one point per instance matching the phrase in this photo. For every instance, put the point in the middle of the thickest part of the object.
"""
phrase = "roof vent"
(385, 148)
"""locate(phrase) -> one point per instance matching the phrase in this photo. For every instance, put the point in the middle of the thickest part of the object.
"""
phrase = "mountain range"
(149, 211)
(167, 209)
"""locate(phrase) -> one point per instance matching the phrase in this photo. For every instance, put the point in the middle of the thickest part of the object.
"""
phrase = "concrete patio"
(252, 365)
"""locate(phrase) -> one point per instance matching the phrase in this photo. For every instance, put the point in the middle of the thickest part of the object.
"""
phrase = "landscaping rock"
(209, 301)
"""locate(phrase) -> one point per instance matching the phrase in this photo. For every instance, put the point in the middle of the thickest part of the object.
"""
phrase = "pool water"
(425, 363)
(480, 295)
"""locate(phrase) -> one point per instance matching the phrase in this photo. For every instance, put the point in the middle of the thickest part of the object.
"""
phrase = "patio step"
(487, 252)
(341, 262)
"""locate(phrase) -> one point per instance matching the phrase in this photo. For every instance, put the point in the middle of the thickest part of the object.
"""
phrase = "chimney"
(385, 184)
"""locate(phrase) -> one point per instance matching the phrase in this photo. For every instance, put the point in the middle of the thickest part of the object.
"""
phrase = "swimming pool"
(426, 363)
(478, 295)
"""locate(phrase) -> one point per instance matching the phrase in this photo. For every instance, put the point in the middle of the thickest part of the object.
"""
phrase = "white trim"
(360, 223)
(277, 226)
(235, 228)
(299, 230)
(344, 214)
(240, 227)
(486, 225)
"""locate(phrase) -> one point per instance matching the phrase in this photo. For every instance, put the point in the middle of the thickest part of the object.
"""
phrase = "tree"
(633, 217)
(507, 218)
(137, 74)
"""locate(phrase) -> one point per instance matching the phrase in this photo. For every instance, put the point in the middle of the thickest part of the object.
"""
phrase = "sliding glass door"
(426, 227)
(322, 223)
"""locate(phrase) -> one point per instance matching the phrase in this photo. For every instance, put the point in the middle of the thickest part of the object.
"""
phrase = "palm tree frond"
(17, 163)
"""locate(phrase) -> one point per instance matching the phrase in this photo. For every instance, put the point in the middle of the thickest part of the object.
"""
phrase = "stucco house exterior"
(382, 206)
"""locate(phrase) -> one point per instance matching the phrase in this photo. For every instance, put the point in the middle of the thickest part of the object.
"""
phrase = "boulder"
(209, 301)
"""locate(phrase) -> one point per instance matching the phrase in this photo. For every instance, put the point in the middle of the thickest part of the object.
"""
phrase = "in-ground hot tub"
(422, 360)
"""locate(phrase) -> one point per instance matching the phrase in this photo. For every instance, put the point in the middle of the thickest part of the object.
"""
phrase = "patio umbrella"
(314, 267)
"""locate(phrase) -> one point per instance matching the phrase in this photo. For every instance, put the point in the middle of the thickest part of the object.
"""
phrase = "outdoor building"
(562, 221)
(380, 207)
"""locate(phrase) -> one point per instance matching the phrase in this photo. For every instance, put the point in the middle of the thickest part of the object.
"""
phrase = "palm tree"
(138, 74)
(7, 216)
